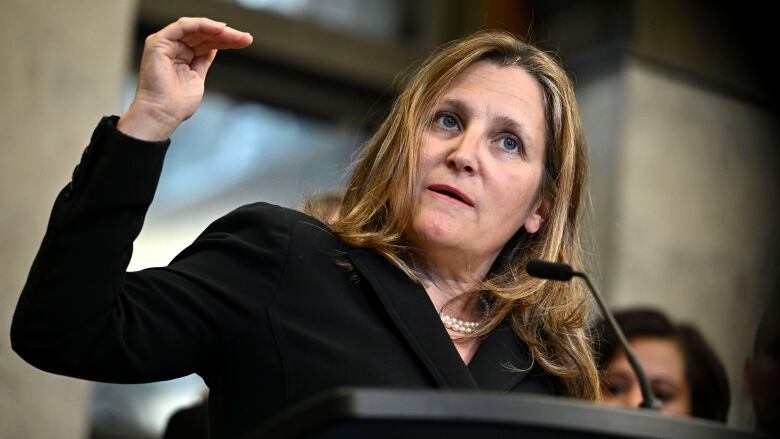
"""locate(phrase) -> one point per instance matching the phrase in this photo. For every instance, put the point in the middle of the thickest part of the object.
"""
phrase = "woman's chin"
(443, 235)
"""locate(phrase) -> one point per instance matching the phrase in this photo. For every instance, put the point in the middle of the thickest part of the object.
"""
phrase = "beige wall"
(687, 200)
(62, 63)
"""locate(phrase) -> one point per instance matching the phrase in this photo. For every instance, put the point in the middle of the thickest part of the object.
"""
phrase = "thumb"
(202, 63)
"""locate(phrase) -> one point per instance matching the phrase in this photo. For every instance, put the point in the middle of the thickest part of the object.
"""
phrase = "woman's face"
(664, 365)
(481, 164)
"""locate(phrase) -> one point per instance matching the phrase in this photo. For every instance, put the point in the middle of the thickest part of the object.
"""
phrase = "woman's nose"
(463, 157)
(633, 396)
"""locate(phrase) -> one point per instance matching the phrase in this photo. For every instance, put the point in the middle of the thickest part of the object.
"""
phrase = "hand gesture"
(173, 70)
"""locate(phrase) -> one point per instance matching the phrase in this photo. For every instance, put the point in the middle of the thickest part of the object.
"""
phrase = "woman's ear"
(537, 217)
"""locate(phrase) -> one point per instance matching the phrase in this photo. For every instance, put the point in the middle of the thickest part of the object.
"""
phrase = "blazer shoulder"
(267, 212)
(271, 224)
(252, 231)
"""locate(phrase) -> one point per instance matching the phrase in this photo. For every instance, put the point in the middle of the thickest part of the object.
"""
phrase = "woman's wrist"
(146, 124)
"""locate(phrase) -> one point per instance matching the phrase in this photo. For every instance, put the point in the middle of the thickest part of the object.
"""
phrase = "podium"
(407, 414)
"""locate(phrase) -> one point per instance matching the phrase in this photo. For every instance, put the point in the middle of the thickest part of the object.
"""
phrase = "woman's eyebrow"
(665, 381)
(459, 106)
(507, 123)
(510, 124)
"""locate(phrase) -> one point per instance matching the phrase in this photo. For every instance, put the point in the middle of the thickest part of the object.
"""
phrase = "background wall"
(682, 122)
(685, 183)
(56, 79)
(711, 180)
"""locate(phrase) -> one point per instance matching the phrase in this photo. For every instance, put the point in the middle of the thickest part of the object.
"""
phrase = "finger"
(238, 39)
(189, 25)
(235, 39)
(192, 40)
(205, 47)
(204, 29)
(174, 50)
(227, 39)
(184, 53)
(202, 63)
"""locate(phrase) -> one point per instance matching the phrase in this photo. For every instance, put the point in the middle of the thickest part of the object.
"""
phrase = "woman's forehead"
(487, 75)
(510, 96)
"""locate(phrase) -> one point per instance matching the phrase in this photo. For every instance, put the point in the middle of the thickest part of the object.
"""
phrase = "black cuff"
(116, 167)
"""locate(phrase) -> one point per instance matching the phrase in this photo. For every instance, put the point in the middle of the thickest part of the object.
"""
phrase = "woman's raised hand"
(172, 74)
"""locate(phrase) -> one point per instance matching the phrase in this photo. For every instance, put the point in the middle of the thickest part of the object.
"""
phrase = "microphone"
(549, 270)
(564, 272)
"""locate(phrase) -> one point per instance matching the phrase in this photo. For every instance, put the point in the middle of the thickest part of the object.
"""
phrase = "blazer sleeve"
(81, 314)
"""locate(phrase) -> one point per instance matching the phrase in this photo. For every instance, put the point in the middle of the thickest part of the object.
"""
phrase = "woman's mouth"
(451, 193)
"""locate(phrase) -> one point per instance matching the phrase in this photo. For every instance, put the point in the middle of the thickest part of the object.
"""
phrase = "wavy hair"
(550, 317)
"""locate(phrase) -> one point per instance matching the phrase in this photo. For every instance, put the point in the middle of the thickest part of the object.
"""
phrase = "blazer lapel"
(501, 361)
(415, 316)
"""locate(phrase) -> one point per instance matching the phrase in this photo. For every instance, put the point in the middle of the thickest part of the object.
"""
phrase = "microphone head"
(549, 270)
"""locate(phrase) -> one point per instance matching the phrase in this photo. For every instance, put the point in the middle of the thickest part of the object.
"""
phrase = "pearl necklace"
(465, 326)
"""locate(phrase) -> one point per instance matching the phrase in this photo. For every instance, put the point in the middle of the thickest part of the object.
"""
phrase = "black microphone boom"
(549, 270)
(564, 272)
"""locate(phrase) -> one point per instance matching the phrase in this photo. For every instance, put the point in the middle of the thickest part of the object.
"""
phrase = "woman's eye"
(509, 143)
(615, 386)
(615, 389)
(447, 121)
(662, 394)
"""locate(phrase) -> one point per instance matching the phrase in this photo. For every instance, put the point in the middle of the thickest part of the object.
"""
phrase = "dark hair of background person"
(762, 372)
(704, 372)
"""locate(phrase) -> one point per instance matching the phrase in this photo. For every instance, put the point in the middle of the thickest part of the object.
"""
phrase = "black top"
(267, 305)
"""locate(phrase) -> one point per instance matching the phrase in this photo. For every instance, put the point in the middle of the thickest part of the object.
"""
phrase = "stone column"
(680, 114)
(61, 67)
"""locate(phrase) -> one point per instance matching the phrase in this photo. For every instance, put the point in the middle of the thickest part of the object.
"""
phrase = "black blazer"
(267, 305)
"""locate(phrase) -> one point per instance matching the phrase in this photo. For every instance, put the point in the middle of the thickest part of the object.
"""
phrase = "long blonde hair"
(550, 317)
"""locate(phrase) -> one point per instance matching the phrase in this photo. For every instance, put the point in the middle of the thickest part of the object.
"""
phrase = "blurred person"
(417, 282)
(683, 372)
(325, 207)
(762, 373)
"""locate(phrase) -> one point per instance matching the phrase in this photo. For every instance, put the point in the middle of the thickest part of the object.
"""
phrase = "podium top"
(349, 412)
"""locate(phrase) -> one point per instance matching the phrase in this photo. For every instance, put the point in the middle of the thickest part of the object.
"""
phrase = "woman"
(416, 282)
(684, 373)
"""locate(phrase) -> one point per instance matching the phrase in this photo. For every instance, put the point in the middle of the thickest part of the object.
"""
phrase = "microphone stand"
(564, 272)
(648, 401)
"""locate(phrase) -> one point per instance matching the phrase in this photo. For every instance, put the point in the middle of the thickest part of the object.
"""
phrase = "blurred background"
(678, 103)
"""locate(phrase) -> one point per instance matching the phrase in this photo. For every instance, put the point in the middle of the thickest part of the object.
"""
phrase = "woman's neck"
(445, 287)
(447, 273)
